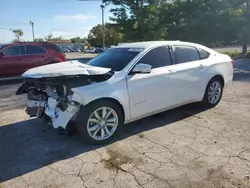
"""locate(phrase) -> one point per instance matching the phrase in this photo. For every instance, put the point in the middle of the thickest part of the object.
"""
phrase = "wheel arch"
(220, 77)
(216, 77)
(110, 99)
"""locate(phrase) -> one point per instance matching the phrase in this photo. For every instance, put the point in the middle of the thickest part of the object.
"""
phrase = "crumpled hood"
(66, 68)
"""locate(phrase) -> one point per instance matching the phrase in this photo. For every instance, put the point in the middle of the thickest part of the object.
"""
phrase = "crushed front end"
(49, 101)
(51, 98)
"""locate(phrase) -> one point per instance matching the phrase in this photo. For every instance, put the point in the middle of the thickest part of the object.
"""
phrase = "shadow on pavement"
(9, 81)
(242, 70)
(9, 99)
(30, 145)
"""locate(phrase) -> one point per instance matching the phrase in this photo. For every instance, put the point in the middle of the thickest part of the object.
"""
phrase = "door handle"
(201, 66)
(19, 59)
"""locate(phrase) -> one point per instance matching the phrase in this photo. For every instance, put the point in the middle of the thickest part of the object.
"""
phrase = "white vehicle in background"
(86, 50)
(92, 50)
(122, 43)
(124, 84)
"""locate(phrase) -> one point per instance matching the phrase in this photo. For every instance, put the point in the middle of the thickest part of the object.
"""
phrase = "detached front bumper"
(62, 118)
(59, 118)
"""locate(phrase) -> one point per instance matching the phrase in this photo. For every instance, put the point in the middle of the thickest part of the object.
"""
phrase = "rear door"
(191, 66)
(13, 61)
(35, 55)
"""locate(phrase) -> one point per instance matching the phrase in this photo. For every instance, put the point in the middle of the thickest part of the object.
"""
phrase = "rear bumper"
(229, 82)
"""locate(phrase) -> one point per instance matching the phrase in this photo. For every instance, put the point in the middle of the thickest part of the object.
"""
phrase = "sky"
(65, 18)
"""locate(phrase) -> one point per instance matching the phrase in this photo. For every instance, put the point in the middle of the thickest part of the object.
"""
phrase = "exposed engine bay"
(51, 97)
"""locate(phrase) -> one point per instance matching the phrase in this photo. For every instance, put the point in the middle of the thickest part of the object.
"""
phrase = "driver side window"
(157, 57)
(13, 51)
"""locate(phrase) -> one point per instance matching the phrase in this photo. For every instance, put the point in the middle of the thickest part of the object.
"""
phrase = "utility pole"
(32, 25)
(103, 27)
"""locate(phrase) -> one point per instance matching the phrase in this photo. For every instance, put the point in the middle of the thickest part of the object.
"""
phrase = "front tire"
(213, 93)
(100, 121)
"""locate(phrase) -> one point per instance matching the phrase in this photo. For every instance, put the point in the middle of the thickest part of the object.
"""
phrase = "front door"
(154, 91)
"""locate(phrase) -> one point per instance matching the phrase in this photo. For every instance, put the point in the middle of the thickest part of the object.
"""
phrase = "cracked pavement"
(185, 147)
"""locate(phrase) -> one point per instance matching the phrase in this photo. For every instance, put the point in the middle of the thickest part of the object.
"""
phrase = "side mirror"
(2, 54)
(142, 68)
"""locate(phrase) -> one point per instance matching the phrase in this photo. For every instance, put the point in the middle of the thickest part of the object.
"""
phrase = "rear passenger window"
(35, 50)
(158, 57)
(53, 47)
(203, 54)
(184, 54)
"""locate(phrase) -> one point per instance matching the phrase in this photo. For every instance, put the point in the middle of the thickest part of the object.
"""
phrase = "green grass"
(236, 54)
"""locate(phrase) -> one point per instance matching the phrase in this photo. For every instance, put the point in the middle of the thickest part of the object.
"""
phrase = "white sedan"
(124, 84)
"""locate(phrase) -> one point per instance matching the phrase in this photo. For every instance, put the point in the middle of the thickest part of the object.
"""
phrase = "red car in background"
(16, 58)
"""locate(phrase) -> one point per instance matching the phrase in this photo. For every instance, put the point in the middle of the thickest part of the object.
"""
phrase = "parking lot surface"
(185, 147)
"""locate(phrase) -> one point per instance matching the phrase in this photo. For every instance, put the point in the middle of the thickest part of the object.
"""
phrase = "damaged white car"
(124, 84)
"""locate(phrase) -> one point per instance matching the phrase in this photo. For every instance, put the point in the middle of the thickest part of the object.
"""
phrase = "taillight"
(62, 56)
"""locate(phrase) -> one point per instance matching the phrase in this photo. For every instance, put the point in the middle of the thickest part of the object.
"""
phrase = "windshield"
(115, 59)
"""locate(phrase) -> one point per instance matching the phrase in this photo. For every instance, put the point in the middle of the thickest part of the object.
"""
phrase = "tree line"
(209, 22)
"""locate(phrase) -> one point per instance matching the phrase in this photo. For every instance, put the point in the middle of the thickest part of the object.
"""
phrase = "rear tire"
(100, 121)
(213, 93)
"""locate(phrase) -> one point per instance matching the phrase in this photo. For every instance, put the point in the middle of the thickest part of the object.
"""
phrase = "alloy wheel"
(214, 92)
(102, 123)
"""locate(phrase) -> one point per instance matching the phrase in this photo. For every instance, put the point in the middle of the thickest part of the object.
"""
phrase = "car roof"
(146, 44)
(35, 43)
(25, 43)
(150, 44)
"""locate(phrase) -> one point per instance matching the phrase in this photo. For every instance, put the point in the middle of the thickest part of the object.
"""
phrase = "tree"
(201, 21)
(243, 23)
(112, 36)
(57, 39)
(48, 37)
(15, 40)
(18, 33)
(78, 40)
(39, 40)
(139, 20)
(209, 22)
